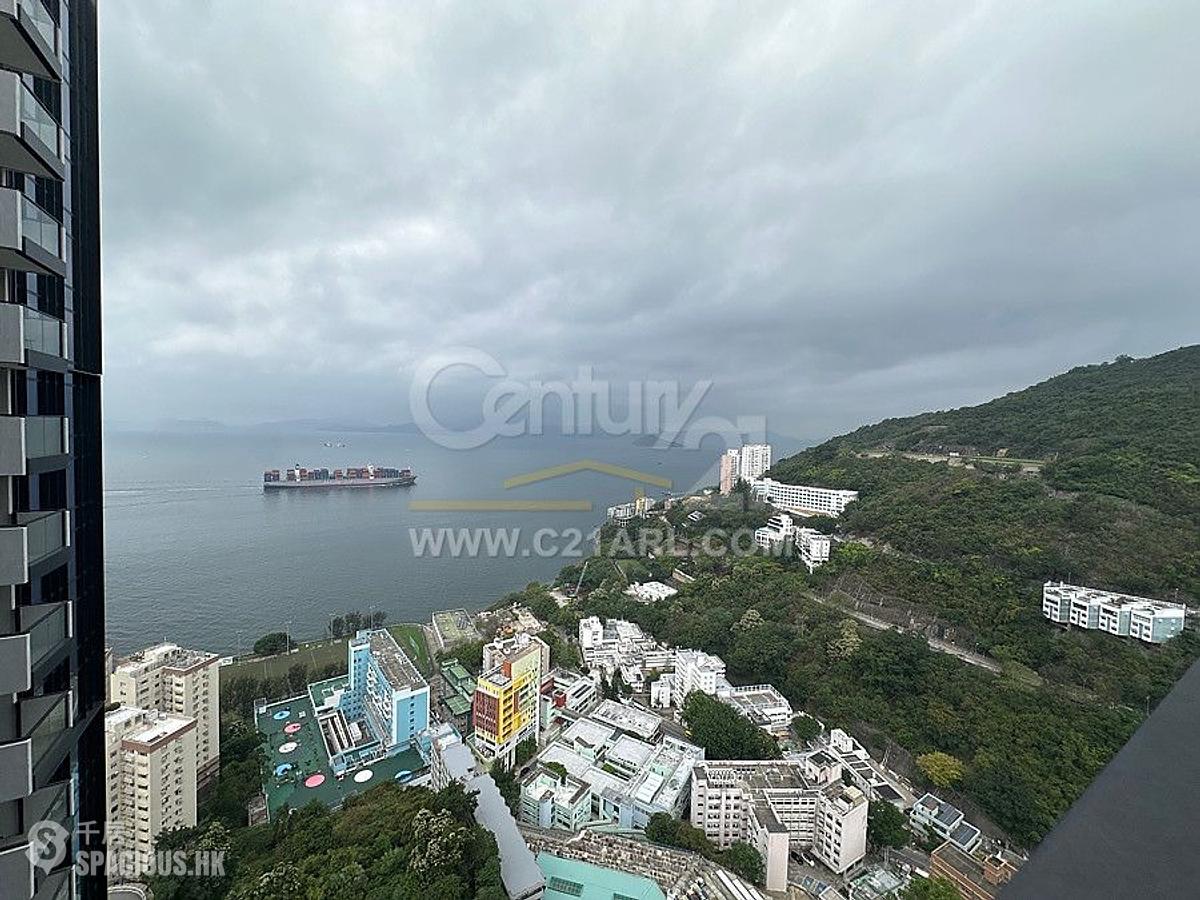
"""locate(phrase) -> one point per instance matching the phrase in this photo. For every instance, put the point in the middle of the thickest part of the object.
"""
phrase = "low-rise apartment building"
(566, 692)
(1125, 615)
(803, 499)
(936, 819)
(762, 705)
(780, 805)
(629, 768)
(151, 772)
(182, 682)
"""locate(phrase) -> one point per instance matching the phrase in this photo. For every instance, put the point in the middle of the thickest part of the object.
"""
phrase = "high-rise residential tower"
(172, 679)
(52, 676)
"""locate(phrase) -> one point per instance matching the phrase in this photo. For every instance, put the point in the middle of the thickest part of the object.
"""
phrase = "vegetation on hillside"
(1027, 752)
(969, 548)
(739, 857)
(1126, 429)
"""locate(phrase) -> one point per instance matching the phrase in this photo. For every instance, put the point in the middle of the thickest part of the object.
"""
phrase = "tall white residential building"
(803, 499)
(696, 670)
(1152, 621)
(753, 461)
(748, 462)
(172, 679)
(780, 805)
(151, 769)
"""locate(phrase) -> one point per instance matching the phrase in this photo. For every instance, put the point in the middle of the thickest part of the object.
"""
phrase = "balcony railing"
(38, 119)
(43, 333)
(40, 227)
(46, 533)
(41, 19)
(48, 625)
(45, 436)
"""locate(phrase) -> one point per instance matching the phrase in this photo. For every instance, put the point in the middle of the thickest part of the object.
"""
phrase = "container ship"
(299, 478)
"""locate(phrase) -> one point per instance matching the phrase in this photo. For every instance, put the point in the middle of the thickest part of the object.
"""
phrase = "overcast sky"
(835, 211)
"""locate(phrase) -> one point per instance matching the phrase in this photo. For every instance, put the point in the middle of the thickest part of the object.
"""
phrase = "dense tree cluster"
(886, 825)
(723, 732)
(388, 843)
(740, 858)
(349, 623)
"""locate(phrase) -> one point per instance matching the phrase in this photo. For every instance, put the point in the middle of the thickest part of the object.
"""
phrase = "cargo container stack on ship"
(299, 477)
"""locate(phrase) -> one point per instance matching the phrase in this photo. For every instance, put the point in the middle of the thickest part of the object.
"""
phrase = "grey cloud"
(835, 211)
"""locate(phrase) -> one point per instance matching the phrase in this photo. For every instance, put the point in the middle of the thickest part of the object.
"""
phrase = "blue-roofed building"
(568, 879)
(935, 818)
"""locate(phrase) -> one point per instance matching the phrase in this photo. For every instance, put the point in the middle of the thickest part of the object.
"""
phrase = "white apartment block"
(762, 705)
(151, 770)
(614, 643)
(778, 529)
(777, 806)
(745, 463)
(696, 670)
(936, 818)
(171, 679)
(1152, 621)
(812, 546)
(620, 770)
(803, 499)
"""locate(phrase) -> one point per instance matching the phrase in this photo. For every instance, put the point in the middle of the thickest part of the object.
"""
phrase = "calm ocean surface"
(197, 553)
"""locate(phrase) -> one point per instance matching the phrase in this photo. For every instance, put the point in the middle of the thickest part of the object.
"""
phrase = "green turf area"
(316, 655)
(309, 758)
(411, 638)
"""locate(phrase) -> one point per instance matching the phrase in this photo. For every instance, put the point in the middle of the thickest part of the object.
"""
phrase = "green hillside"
(1129, 428)
(959, 552)
(969, 546)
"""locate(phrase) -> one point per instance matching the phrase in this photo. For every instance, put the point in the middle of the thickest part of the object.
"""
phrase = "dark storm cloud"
(834, 211)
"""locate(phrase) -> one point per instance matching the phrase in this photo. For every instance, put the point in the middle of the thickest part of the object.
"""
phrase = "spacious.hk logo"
(585, 405)
(48, 844)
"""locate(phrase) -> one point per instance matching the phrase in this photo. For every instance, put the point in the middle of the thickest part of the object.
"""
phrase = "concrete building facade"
(52, 677)
(780, 805)
(171, 679)
(801, 499)
(151, 778)
(506, 707)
